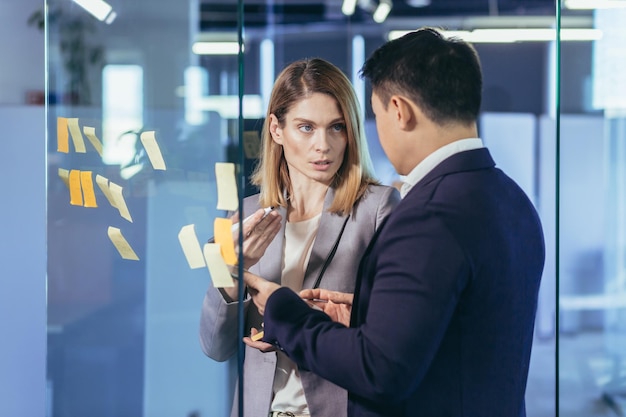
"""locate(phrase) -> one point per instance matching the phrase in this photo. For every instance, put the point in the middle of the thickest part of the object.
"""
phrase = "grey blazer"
(218, 322)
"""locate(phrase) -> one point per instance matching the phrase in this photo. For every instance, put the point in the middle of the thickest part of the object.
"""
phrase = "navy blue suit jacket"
(443, 318)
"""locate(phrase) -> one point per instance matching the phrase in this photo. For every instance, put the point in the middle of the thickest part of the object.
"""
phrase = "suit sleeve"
(420, 272)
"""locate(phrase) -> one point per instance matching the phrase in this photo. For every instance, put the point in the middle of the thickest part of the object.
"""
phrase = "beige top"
(299, 238)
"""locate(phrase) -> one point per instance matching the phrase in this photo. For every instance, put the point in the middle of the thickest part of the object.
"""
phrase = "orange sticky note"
(223, 236)
(76, 193)
(63, 137)
(86, 183)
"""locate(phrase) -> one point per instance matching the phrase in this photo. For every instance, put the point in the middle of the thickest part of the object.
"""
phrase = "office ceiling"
(218, 14)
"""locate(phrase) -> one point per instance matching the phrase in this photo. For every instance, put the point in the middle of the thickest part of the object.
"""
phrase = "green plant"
(83, 57)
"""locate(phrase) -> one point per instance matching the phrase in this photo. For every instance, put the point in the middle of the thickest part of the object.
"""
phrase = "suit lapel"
(329, 229)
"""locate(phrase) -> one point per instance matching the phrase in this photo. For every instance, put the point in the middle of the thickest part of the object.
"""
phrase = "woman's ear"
(405, 112)
(275, 130)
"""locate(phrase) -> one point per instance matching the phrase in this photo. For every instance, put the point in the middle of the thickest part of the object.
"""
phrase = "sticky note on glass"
(227, 197)
(90, 132)
(77, 136)
(224, 237)
(220, 275)
(65, 176)
(121, 244)
(251, 144)
(63, 137)
(191, 247)
(148, 140)
(76, 192)
(103, 183)
(86, 183)
(118, 197)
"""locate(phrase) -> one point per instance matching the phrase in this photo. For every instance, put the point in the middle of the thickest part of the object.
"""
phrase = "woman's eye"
(338, 127)
(306, 128)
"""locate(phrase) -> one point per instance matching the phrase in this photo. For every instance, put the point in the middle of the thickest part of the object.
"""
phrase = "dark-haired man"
(444, 309)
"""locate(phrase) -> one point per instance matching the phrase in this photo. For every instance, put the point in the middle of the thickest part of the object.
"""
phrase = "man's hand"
(338, 305)
(259, 289)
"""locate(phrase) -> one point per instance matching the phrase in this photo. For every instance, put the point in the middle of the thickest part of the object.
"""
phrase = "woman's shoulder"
(379, 191)
(379, 196)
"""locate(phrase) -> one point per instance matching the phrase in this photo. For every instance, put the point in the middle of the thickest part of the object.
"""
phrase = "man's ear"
(275, 130)
(405, 112)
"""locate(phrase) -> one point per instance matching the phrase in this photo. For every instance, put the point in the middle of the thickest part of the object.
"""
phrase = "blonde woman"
(316, 172)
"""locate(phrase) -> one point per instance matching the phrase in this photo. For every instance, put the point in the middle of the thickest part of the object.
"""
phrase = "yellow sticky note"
(63, 138)
(103, 183)
(191, 247)
(86, 183)
(148, 140)
(220, 275)
(77, 136)
(223, 236)
(90, 132)
(121, 244)
(227, 197)
(118, 196)
(76, 193)
(257, 336)
(251, 144)
(65, 176)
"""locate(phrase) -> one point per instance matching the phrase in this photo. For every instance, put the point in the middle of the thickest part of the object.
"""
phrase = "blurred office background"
(87, 332)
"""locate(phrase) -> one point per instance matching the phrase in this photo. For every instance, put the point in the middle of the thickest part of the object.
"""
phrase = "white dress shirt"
(435, 158)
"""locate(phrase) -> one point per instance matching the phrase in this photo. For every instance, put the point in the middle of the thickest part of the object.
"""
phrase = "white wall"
(22, 51)
(22, 215)
(22, 262)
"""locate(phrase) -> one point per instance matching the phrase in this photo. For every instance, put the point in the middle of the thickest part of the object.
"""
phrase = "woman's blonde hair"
(296, 82)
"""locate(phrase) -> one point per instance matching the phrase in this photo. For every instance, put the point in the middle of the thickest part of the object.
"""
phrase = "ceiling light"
(594, 4)
(216, 43)
(516, 35)
(418, 3)
(215, 48)
(382, 11)
(348, 7)
(99, 9)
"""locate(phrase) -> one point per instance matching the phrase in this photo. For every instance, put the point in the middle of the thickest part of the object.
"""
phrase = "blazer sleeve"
(387, 355)
(218, 319)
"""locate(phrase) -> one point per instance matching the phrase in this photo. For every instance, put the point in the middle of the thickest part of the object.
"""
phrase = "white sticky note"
(77, 136)
(220, 275)
(118, 196)
(148, 140)
(90, 132)
(191, 247)
(121, 244)
(227, 197)
(103, 183)
(65, 176)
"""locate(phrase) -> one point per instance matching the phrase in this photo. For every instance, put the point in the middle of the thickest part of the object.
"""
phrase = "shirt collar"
(435, 158)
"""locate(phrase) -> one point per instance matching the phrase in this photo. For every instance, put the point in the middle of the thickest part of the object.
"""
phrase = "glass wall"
(136, 124)
(592, 284)
(141, 107)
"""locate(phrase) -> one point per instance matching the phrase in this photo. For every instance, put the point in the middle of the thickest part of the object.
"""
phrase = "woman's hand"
(258, 344)
(258, 233)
